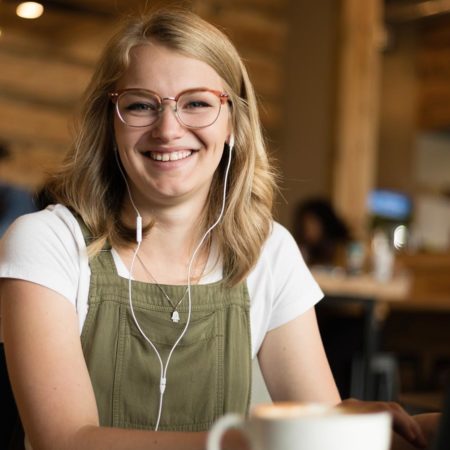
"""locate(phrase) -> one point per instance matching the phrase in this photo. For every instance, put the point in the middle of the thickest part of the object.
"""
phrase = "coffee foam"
(289, 410)
(358, 409)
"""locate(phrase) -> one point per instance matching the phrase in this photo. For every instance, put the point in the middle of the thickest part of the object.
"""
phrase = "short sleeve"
(41, 248)
(280, 287)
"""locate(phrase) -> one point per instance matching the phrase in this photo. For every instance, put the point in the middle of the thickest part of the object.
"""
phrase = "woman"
(171, 314)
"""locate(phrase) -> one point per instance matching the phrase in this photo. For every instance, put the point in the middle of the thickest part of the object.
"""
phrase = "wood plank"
(79, 38)
(22, 121)
(87, 40)
(436, 116)
(55, 80)
(30, 163)
(250, 29)
(435, 32)
(433, 62)
(269, 7)
(432, 59)
(266, 76)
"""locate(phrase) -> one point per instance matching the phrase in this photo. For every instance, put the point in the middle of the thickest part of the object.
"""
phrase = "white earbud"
(231, 142)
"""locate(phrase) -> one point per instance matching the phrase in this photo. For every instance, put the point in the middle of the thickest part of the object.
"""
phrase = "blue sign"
(389, 204)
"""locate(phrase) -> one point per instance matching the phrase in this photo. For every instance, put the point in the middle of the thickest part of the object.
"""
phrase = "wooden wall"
(415, 98)
(47, 63)
(433, 65)
(398, 111)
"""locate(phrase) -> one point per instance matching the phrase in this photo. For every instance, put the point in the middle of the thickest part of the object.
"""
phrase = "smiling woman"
(186, 119)
(154, 56)
(138, 299)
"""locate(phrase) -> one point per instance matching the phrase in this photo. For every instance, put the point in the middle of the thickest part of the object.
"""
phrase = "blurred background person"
(320, 233)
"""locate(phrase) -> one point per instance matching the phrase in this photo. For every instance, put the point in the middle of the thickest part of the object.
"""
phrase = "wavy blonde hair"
(90, 184)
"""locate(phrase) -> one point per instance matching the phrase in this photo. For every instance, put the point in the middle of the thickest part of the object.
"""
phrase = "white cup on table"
(302, 426)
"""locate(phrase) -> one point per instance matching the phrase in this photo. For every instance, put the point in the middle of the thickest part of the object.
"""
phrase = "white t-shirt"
(48, 248)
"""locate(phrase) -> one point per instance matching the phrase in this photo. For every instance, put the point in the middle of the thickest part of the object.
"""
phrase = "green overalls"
(209, 373)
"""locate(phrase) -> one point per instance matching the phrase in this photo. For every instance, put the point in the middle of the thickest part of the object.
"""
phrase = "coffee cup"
(303, 426)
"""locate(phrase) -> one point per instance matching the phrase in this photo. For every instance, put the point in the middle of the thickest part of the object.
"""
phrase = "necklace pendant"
(175, 316)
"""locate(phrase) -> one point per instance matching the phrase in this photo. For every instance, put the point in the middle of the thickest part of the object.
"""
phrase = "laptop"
(442, 439)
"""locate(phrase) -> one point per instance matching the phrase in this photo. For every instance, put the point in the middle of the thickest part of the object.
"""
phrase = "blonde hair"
(90, 183)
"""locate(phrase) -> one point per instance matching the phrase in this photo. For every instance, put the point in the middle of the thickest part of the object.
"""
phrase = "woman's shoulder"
(53, 217)
(46, 248)
(280, 285)
(54, 227)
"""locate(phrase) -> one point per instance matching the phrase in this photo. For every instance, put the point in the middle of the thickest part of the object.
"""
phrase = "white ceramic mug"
(299, 426)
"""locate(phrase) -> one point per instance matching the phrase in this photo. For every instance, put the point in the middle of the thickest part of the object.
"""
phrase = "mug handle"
(221, 426)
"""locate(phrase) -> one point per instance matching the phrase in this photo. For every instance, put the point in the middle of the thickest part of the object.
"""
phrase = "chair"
(384, 379)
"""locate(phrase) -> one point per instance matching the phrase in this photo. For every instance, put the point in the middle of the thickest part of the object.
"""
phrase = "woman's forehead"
(158, 68)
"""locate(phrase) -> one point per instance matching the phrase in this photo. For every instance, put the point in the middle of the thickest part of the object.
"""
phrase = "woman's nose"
(168, 126)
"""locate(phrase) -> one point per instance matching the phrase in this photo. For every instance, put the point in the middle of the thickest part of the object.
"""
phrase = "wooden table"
(363, 286)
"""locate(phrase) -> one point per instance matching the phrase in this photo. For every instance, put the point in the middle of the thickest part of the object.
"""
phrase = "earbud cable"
(164, 367)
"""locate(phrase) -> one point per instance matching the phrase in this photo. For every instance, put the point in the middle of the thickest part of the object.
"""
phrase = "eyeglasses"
(194, 108)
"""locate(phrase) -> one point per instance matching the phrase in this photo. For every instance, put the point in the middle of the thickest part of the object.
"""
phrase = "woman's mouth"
(169, 156)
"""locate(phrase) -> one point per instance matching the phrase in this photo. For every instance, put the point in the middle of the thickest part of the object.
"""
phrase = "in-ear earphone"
(231, 142)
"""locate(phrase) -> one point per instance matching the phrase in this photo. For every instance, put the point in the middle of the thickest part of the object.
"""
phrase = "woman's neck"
(168, 247)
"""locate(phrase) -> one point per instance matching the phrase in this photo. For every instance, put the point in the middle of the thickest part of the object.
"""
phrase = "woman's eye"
(194, 104)
(139, 106)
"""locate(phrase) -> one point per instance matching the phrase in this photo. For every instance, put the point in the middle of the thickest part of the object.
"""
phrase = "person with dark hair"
(320, 233)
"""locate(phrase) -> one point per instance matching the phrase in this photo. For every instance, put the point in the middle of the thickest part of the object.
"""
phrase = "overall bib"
(209, 372)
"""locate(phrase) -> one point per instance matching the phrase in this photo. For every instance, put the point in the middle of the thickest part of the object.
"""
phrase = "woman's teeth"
(169, 156)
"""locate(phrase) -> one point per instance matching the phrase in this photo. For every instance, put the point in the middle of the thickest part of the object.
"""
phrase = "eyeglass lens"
(194, 109)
